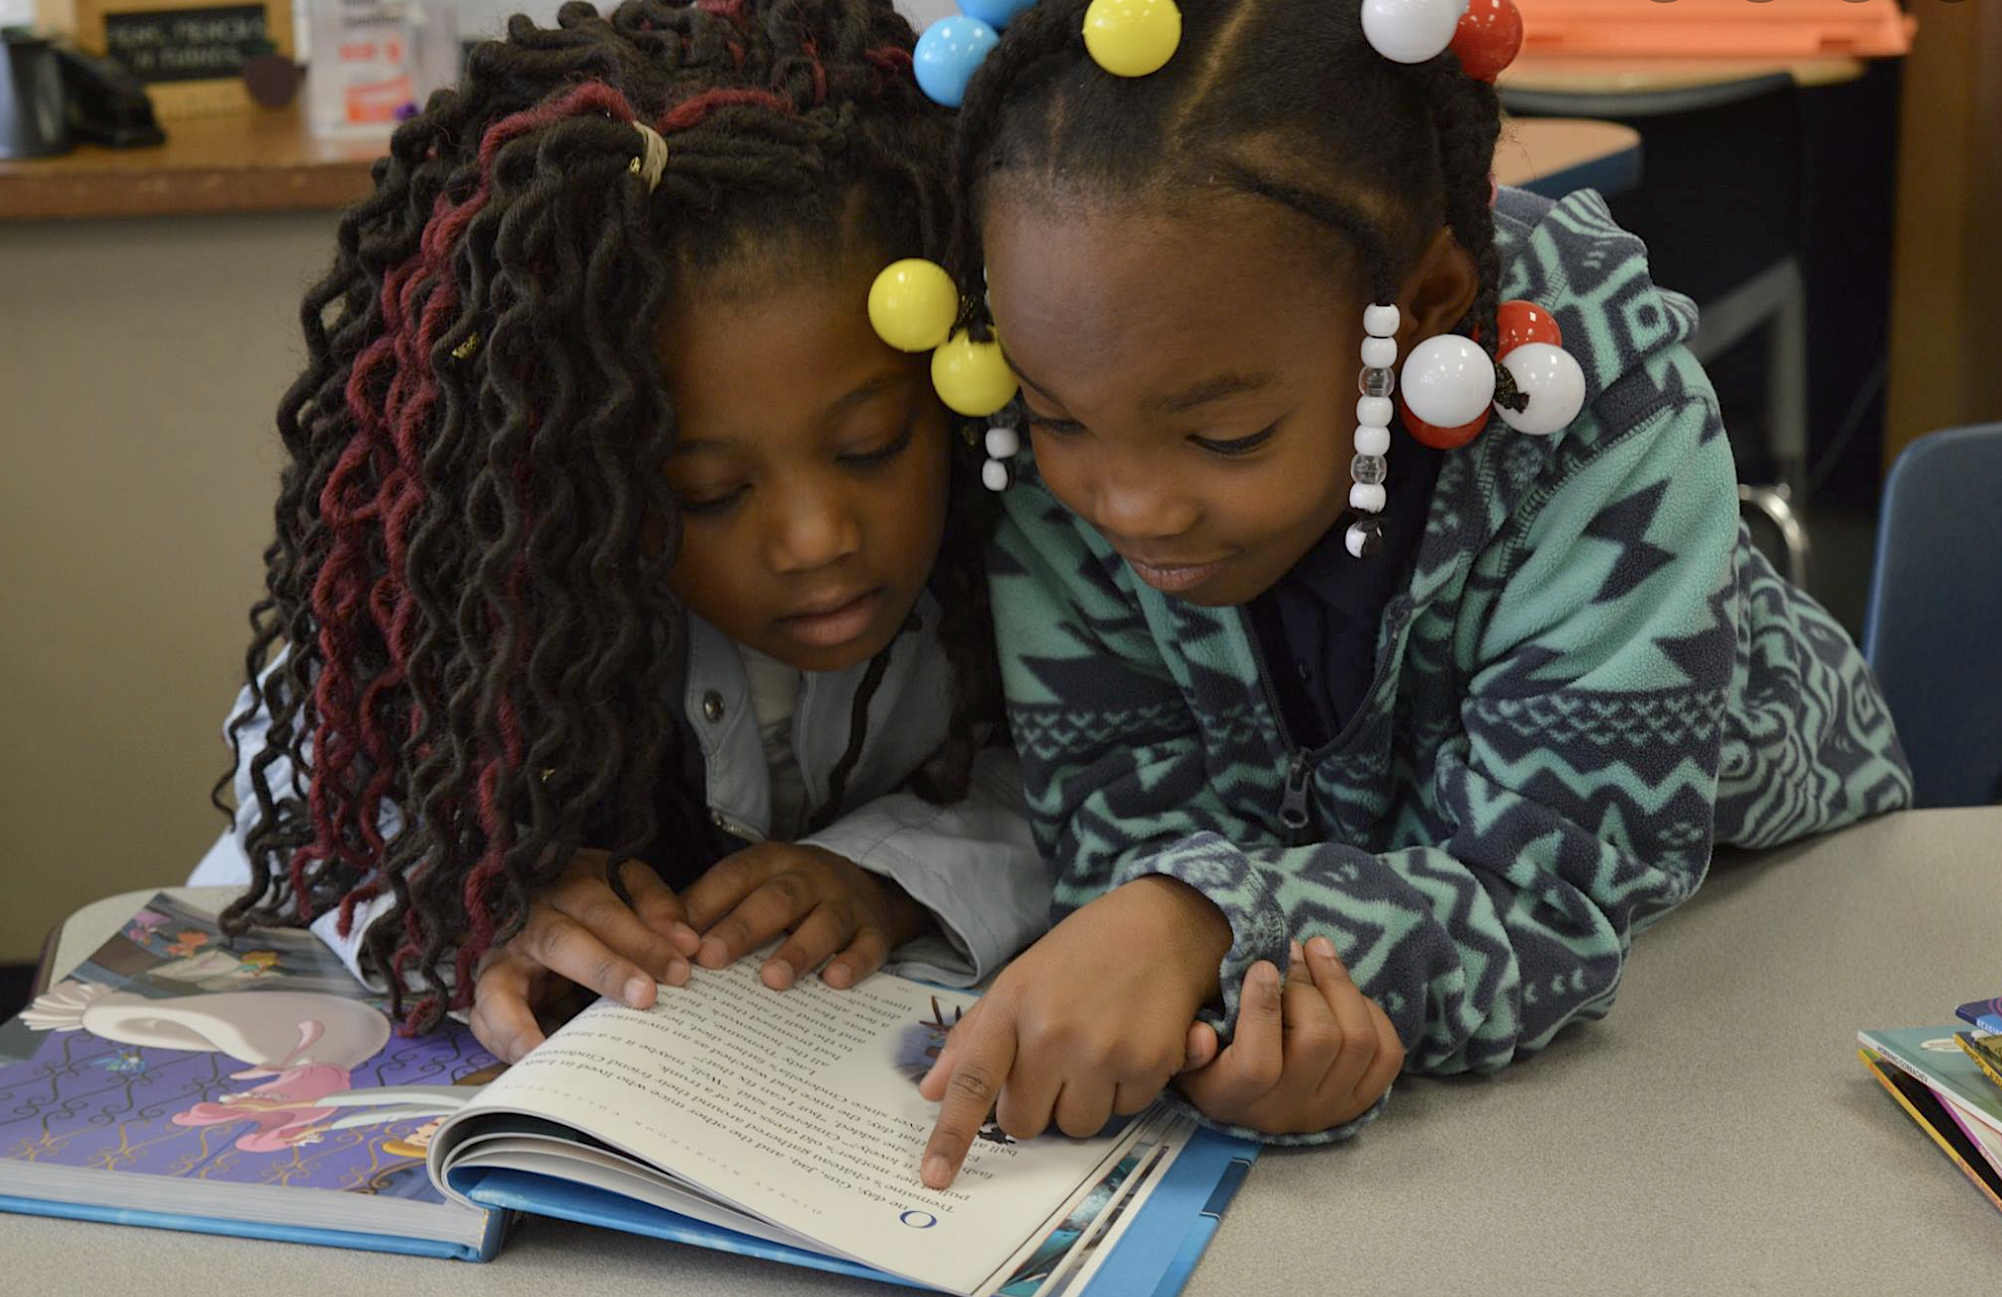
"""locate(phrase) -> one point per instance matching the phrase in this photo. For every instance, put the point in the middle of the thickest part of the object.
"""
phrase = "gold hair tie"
(653, 160)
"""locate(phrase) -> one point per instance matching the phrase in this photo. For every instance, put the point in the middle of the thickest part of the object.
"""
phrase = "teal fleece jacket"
(1590, 681)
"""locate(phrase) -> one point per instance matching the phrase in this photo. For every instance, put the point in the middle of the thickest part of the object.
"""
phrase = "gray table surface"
(1715, 1134)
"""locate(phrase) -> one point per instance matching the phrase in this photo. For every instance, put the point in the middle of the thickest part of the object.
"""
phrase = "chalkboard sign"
(184, 44)
(190, 53)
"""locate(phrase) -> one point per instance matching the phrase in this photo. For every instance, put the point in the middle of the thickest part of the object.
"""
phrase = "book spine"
(1981, 1060)
(1884, 1054)
(1870, 1061)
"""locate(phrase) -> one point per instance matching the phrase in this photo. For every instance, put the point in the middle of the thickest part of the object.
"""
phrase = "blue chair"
(1934, 631)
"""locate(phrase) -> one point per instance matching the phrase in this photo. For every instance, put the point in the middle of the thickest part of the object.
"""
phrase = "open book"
(187, 1080)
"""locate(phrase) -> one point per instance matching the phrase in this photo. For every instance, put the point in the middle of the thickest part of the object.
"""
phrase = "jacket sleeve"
(1576, 803)
(973, 864)
(227, 865)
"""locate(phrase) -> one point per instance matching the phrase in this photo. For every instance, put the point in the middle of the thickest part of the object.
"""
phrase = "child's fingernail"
(677, 974)
(1322, 946)
(636, 990)
(1266, 976)
(778, 974)
(936, 1170)
(684, 937)
(1297, 953)
(712, 951)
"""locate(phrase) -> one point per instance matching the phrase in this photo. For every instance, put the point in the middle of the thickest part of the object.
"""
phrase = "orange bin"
(1716, 29)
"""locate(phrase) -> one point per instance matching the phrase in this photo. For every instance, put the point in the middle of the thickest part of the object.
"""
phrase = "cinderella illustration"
(300, 1045)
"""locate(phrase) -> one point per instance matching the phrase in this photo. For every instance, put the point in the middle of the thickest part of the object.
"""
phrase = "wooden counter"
(248, 162)
(268, 162)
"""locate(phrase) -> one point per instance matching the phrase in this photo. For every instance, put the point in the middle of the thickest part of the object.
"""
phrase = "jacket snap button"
(712, 706)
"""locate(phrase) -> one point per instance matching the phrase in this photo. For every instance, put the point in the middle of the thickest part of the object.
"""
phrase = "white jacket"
(973, 864)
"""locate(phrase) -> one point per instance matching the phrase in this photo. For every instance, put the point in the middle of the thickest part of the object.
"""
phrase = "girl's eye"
(714, 504)
(875, 458)
(1054, 426)
(1241, 446)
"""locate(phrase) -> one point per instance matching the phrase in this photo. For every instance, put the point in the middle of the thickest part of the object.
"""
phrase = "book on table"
(248, 1085)
(1940, 1078)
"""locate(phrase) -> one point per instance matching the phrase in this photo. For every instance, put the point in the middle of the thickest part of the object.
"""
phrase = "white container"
(370, 61)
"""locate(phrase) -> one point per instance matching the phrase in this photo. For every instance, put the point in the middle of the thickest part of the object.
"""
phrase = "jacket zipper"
(1296, 814)
(735, 827)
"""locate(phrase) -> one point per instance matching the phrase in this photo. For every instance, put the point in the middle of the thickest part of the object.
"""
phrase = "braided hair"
(1281, 98)
(473, 531)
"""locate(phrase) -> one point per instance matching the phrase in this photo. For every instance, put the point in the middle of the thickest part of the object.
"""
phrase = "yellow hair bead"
(912, 304)
(972, 378)
(1132, 38)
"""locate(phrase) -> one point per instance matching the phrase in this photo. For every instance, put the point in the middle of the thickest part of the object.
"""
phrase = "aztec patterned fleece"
(1591, 681)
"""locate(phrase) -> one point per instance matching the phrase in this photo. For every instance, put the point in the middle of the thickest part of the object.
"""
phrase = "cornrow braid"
(1284, 99)
(465, 631)
(1466, 115)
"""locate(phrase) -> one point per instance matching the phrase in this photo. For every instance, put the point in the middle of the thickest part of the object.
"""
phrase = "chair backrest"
(1934, 632)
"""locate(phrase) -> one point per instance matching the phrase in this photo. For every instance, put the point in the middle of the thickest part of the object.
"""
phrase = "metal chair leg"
(1776, 502)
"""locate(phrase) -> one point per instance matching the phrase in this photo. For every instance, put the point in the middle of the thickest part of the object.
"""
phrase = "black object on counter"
(51, 96)
(34, 114)
(107, 104)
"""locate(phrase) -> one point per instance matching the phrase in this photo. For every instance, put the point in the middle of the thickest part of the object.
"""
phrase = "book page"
(801, 1106)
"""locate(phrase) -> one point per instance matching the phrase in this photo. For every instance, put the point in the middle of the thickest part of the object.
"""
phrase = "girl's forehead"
(758, 368)
(1158, 297)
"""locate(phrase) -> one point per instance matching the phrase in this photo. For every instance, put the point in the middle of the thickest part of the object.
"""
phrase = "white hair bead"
(1368, 498)
(1379, 353)
(1380, 321)
(1448, 381)
(1003, 442)
(1372, 440)
(1551, 379)
(1411, 31)
(994, 475)
(1374, 411)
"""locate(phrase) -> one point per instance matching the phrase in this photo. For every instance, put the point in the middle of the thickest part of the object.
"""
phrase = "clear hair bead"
(1370, 470)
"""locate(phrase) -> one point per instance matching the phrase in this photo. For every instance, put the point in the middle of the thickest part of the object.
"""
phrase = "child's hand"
(580, 931)
(1093, 1019)
(832, 907)
(1305, 1059)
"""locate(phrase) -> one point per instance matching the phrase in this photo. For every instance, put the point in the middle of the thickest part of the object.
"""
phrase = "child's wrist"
(907, 918)
(1198, 927)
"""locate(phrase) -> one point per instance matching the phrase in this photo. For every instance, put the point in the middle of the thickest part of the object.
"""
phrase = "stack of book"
(1949, 1081)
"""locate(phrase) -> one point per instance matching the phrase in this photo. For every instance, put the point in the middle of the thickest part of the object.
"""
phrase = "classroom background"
(1832, 210)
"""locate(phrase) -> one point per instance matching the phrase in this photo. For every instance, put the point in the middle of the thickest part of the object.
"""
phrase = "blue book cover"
(1155, 1254)
(1985, 1015)
(180, 1078)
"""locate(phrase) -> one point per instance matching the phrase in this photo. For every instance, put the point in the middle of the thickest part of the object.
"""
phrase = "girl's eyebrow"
(1031, 383)
(842, 406)
(865, 392)
(1214, 388)
(1197, 394)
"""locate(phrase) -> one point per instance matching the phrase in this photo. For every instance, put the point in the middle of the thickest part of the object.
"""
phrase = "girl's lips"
(836, 626)
(1173, 579)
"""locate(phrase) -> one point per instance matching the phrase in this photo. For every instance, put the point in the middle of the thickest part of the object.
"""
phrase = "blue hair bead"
(947, 54)
(995, 13)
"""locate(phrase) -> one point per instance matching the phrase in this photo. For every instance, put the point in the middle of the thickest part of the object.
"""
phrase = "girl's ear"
(1438, 293)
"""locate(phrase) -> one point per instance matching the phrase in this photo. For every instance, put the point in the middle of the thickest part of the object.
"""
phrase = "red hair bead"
(1488, 38)
(1439, 438)
(1518, 322)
